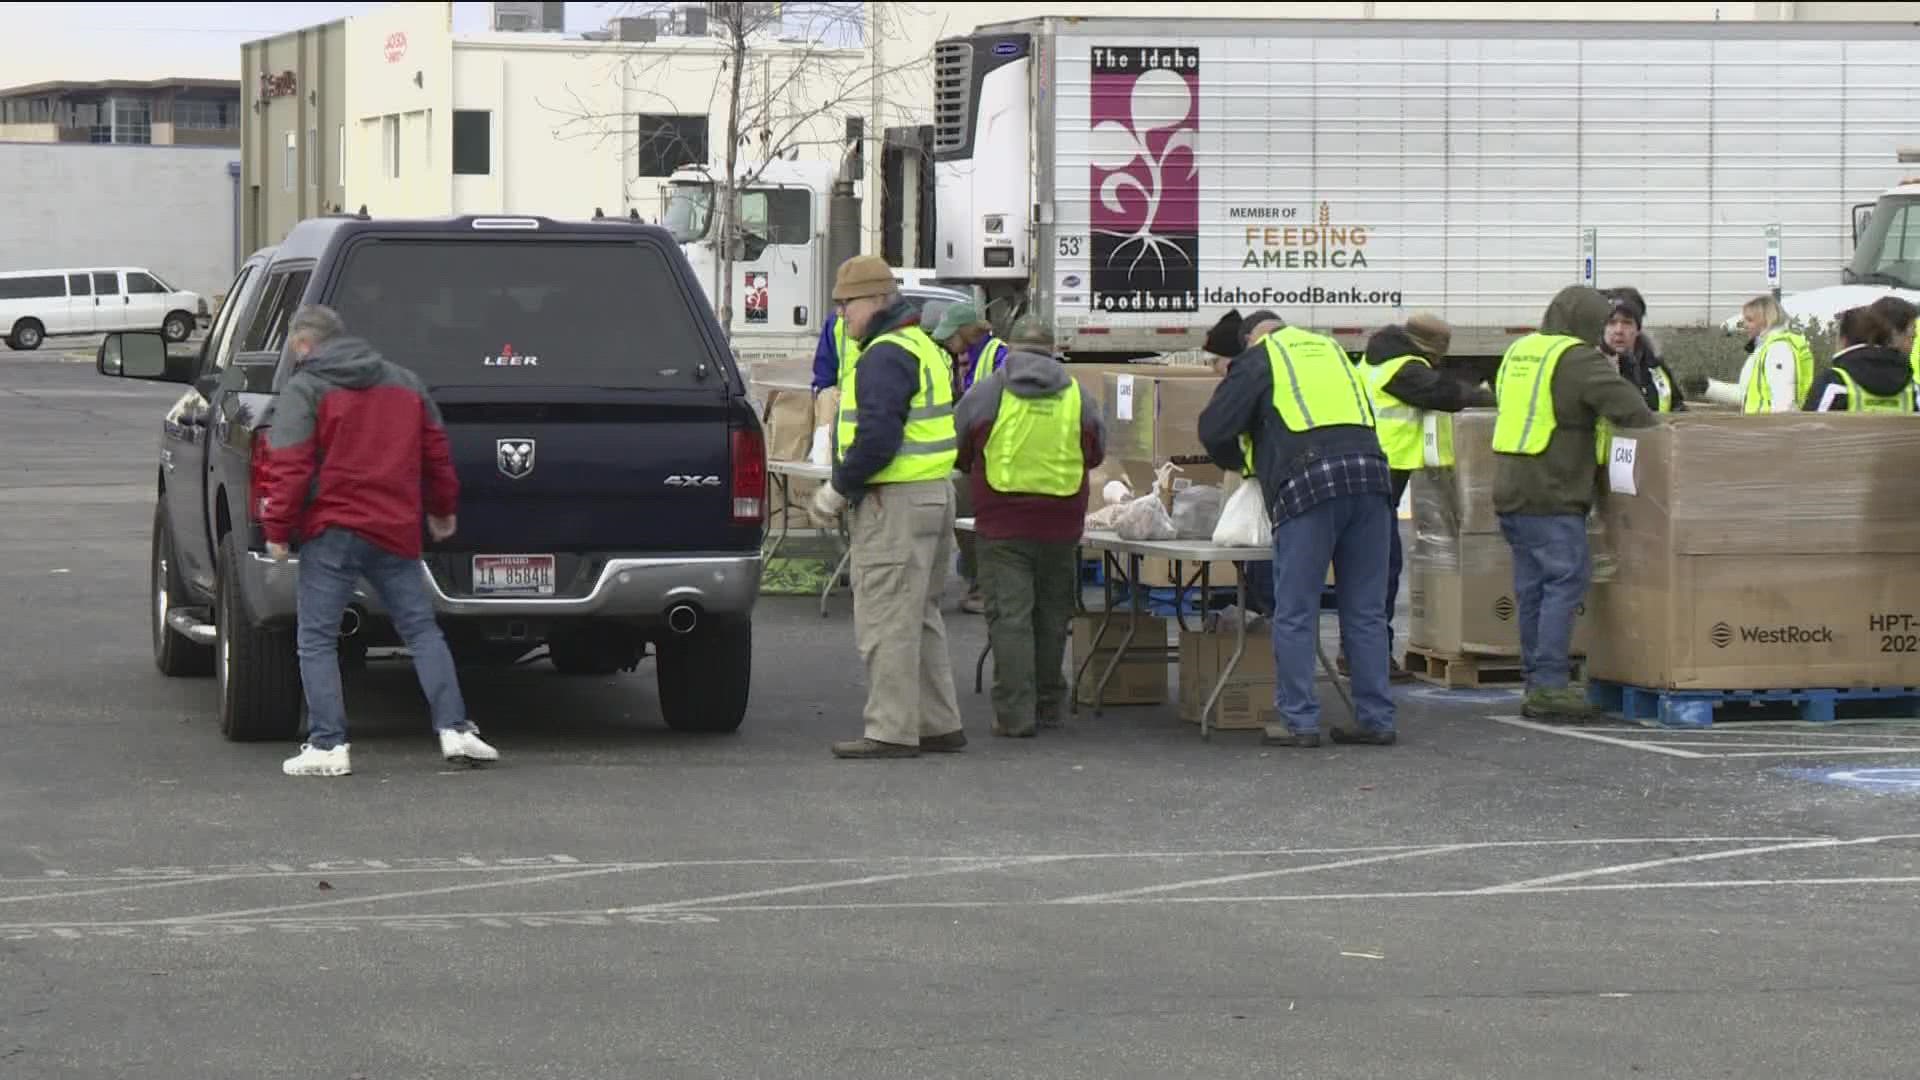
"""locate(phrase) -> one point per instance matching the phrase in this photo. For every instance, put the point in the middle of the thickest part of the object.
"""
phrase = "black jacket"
(1243, 404)
(885, 381)
(1878, 370)
(1638, 368)
(1419, 385)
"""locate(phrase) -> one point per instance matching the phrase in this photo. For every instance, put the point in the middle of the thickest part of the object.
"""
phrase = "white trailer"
(1130, 180)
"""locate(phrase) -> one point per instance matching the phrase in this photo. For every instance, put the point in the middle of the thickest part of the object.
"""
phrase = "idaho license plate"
(513, 575)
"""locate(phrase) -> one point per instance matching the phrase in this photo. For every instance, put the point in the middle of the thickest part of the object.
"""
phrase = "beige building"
(124, 112)
(293, 131)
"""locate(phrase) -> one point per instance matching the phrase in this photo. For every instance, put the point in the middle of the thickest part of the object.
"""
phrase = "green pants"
(1029, 589)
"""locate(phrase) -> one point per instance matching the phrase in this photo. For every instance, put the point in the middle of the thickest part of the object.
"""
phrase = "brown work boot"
(1397, 672)
(864, 749)
(1006, 732)
(951, 743)
(974, 603)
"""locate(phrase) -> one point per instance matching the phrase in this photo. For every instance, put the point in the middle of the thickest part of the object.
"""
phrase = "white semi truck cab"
(782, 268)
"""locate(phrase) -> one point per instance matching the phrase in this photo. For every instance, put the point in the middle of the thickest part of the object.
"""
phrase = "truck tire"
(704, 677)
(258, 669)
(177, 327)
(173, 654)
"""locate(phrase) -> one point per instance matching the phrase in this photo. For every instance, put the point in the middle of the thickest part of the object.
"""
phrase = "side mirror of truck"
(1862, 214)
(142, 355)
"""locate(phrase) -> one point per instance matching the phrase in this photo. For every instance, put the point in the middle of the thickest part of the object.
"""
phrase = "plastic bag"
(1145, 518)
(822, 451)
(1244, 521)
(1196, 510)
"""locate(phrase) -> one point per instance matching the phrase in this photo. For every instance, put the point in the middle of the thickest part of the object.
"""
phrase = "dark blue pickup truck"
(612, 471)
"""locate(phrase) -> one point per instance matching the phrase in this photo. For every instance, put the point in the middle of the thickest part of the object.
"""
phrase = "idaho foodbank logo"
(1721, 635)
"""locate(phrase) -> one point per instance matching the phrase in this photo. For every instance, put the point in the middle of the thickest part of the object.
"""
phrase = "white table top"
(1183, 550)
(800, 470)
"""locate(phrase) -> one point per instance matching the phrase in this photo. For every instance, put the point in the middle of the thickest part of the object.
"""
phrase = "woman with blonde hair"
(1779, 368)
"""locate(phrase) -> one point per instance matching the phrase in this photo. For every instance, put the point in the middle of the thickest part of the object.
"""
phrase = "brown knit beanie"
(1429, 333)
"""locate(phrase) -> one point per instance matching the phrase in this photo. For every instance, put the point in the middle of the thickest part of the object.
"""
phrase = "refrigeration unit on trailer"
(1130, 180)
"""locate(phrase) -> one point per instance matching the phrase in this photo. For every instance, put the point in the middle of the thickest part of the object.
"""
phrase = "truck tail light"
(257, 477)
(749, 453)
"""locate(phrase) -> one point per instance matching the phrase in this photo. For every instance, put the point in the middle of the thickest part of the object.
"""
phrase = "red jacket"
(354, 442)
(1043, 519)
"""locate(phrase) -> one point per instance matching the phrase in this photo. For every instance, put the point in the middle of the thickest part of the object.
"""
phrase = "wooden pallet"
(1471, 671)
(1700, 708)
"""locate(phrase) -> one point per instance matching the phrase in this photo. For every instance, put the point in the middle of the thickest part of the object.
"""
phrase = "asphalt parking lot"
(1115, 899)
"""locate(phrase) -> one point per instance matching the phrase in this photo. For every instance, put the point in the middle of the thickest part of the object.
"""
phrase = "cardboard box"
(1141, 678)
(1472, 612)
(1247, 701)
(1156, 417)
(1762, 552)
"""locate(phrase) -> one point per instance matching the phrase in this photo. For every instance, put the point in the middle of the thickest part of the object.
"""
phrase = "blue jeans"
(1551, 568)
(1353, 533)
(331, 564)
(1396, 557)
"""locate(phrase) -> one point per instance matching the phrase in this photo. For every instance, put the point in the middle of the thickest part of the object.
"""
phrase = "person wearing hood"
(1868, 373)
(1557, 394)
(1627, 343)
(895, 443)
(1900, 315)
(1399, 370)
(355, 448)
(1028, 437)
(1294, 412)
(976, 353)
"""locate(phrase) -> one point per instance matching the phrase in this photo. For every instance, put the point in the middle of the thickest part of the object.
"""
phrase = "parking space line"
(1676, 860)
(813, 886)
(409, 894)
(1592, 736)
(1150, 890)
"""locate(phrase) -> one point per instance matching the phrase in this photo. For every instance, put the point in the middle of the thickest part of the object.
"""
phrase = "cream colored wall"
(29, 133)
(414, 84)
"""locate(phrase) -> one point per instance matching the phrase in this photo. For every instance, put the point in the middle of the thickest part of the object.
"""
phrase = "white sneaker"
(312, 762)
(465, 747)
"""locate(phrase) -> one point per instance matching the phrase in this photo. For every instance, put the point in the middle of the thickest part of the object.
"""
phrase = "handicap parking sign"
(1886, 781)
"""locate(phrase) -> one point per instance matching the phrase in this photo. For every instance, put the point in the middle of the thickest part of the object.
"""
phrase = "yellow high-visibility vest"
(930, 446)
(1035, 445)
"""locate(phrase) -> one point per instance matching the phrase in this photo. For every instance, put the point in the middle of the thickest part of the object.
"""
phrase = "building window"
(668, 142)
(390, 147)
(42, 110)
(313, 157)
(204, 115)
(472, 142)
(341, 162)
(132, 121)
(289, 161)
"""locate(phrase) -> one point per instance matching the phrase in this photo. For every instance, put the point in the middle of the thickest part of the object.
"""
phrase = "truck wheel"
(591, 654)
(704, 677)
(178, 327)
(27, 335)
(173, 654)
(258, 669)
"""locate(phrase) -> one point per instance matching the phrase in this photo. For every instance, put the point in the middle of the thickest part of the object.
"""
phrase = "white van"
(38, 304)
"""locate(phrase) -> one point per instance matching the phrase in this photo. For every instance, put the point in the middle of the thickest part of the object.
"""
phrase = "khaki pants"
(902, 538)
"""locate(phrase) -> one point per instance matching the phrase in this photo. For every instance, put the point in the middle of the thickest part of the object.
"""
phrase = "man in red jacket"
(1027, 437)
(353, 442)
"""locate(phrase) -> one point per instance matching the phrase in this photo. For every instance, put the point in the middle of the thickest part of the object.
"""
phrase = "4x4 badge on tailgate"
(514, 456)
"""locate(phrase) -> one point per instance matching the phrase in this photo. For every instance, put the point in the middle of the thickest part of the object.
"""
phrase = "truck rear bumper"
(633, 589)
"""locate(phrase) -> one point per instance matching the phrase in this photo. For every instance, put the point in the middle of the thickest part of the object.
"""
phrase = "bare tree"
(784, 75)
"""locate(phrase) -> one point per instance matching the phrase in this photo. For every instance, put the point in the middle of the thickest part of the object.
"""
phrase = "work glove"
(829, 502)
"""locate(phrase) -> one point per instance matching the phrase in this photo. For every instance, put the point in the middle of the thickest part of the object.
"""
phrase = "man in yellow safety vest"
(1301, 404)
(1410, 400)
(1028, 436)
(1555, 391)
(896, 450)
